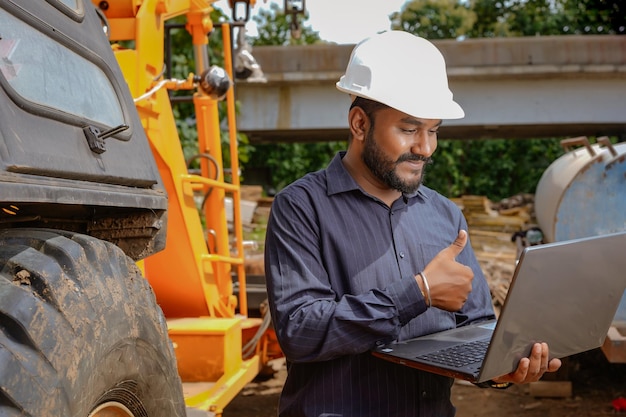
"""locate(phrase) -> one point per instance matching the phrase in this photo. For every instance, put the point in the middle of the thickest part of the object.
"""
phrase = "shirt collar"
(339, 180)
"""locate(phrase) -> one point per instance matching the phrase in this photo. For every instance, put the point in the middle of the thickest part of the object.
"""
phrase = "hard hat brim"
(424, 109)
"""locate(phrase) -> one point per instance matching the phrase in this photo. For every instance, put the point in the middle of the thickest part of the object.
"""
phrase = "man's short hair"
(369, 106)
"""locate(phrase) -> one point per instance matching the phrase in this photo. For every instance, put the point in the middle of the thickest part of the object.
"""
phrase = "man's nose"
(422, 144)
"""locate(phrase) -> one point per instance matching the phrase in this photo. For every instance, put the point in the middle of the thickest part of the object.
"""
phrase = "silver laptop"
(564, 293)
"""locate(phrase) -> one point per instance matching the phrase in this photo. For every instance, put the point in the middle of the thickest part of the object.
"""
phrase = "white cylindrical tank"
(583, 193)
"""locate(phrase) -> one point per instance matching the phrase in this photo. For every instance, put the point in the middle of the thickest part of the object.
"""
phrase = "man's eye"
(409, 130)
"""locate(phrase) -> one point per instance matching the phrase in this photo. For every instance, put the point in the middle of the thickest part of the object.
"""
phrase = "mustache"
(413, 157)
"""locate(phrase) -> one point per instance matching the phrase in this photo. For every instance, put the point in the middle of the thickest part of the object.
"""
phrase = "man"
(362, 253)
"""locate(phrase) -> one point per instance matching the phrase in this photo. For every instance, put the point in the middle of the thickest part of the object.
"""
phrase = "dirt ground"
(595, 385)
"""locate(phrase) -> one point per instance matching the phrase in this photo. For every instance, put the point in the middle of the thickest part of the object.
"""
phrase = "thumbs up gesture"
(449, 281)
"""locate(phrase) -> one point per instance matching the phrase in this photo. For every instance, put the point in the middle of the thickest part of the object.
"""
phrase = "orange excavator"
(116, 284)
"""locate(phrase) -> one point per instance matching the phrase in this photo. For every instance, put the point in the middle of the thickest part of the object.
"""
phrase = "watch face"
(493, 384)
(500, 385)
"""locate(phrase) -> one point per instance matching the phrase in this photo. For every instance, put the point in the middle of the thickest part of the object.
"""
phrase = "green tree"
(489, 19)
(533, 17)
(497, 168)
(450, 19)
(274, 27)
(286, 162)
(593, 17)
(435, 19)
(547, 17)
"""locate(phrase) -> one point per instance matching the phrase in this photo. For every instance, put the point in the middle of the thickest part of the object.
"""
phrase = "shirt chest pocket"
(425, 253)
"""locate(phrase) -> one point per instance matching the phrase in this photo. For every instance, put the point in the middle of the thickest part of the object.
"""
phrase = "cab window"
(72, 8)
(47, 73)
(72, 4)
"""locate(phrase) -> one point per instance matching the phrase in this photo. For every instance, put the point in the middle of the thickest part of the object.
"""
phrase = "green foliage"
(533, 17)
(274, 27)
(489, 19)
(547, 17)
(287, 162)
(593, 17)
(182, 63)
(451, 19)
(435, 19)
(497, 168)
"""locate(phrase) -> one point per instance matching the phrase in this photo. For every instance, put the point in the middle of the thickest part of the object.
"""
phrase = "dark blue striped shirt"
(340, 268)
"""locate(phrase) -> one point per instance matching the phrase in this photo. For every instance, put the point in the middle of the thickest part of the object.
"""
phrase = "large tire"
(80, 331)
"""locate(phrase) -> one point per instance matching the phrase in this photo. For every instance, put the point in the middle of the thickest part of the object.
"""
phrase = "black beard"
(385, 169)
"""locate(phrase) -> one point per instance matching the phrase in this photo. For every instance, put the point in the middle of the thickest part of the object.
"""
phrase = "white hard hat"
(403, 71)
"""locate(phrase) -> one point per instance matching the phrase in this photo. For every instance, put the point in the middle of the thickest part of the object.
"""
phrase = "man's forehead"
(396, 116)
(421, 122)
(402, 117)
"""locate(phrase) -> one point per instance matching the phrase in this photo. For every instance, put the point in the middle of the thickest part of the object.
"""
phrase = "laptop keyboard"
(460, 355)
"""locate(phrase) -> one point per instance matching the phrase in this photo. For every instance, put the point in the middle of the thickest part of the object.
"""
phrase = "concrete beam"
(509, 87)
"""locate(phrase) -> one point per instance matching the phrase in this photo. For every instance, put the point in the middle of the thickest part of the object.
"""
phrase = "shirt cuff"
(408, 299)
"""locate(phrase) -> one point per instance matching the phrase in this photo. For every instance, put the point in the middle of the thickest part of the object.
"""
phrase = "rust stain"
(284, 108)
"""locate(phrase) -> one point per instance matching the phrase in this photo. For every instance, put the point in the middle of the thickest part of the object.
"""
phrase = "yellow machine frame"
(192, 276)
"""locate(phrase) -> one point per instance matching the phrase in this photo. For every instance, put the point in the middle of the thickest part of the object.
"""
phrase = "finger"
(545, 353)
(459, 243)
(554, 365)
(538, 361)
(536, 357)
(521, 373)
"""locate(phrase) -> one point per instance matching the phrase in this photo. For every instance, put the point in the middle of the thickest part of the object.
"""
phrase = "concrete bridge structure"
(558, 86)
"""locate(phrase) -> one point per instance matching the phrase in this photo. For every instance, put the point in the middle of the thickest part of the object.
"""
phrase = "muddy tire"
(80, 332)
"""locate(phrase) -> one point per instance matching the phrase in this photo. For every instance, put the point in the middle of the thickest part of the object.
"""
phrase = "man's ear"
(358, 122)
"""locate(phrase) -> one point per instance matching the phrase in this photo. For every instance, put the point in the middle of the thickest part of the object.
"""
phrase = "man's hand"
(531, 369)
(450, 282)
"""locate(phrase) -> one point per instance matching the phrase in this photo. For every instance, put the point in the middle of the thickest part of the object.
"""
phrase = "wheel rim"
(111, 409)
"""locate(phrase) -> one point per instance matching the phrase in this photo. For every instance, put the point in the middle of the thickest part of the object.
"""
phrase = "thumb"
(459, 243)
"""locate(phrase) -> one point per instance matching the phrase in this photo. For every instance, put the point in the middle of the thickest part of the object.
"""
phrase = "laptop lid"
(562, 293)
(565, 294)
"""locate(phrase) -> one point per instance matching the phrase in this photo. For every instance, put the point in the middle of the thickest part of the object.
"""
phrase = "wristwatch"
(493, 384)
